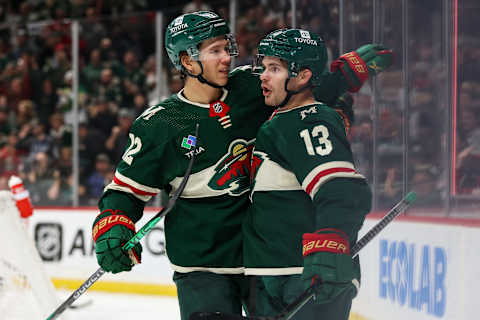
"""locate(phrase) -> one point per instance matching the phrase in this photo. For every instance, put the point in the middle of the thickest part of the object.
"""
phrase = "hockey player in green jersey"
(203, 232)
(308, 201)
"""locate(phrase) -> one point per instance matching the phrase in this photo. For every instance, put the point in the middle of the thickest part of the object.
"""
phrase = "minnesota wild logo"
(232, 172)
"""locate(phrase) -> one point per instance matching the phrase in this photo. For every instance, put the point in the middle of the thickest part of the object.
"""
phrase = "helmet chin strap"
(201, 78)
(291, 93)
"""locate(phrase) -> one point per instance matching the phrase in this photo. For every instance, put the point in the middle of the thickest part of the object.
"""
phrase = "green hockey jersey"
(304, 179)
(203, 231)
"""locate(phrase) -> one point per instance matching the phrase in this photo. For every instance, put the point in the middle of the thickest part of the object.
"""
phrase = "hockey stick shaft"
(308, 294)
(133, 241)
(392, 214)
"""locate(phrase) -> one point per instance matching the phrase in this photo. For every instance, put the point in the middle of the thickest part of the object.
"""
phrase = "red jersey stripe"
(324, 173)
(135, 190)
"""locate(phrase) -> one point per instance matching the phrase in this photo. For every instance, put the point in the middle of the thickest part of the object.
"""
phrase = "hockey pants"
(206, 291)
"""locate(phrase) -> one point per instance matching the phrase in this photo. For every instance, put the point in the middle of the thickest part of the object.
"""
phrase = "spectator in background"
(108, 54)
(468, 123)
(109, 89)
(93, 29)
(390, 151)
(4, 53)
(424, 182)
(64, 161)
(39, 178)
(25, 113)
(149, 68)
(23, 120)
(102, 116)
(57, 65)
(46, 101)
(10, 158)
(5, 125)
(133, 77)
(60, 191)
(16, 93)
(361, 137)
(65, 100)
(101, 176)
(118, 139)
(91, 143)
(22, 44)
(57, 128)
(140, 104)
(92, 71)
(468, 170)
(38, 141)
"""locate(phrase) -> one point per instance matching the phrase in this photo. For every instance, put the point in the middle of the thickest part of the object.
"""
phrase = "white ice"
(96, 305)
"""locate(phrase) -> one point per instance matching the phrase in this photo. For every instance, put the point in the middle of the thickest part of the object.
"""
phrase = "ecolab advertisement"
(417, 270)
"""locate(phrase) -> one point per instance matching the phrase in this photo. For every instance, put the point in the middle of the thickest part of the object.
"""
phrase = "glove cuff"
(106, 223)
(357, 65)
(325, 240)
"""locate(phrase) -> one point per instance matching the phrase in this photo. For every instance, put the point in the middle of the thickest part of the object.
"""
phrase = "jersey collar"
(298, 107)
(202, 105)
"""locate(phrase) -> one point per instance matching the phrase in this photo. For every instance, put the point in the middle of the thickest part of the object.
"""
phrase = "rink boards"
(417, 268)
(420, 268)
(64, 241)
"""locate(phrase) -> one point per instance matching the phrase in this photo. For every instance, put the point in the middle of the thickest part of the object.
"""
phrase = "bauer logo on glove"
(328, 265)
(367, 61)
(111, 230)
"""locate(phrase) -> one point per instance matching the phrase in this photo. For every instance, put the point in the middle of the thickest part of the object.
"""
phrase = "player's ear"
(186, 61)
(304, 76)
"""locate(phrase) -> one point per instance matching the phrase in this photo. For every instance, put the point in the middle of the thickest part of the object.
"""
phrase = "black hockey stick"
(134, 240)
(308, 294)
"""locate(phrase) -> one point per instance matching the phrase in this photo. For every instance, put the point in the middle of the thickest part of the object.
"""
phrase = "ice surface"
(96, 305)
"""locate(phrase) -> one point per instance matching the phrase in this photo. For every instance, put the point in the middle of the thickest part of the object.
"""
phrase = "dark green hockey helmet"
(186, 32)
(299, 48)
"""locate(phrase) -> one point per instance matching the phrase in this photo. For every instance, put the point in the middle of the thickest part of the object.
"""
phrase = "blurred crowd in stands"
(117, 81)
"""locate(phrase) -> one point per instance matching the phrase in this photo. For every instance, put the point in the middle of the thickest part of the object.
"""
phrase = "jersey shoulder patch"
(319, 112)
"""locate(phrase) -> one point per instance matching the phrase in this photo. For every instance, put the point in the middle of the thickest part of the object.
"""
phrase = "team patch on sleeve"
(327, 171)
(125, 184)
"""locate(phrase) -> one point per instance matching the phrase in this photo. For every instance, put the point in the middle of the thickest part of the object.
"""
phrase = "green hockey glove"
(367, 61)
(327, 264)
(344, 107)
(111, 230)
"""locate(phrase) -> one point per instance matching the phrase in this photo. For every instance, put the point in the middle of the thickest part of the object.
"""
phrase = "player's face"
(216, 60)
(273, 80)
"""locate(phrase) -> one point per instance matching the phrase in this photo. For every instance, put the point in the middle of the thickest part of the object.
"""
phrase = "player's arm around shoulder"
(351, 70)
(243, 76)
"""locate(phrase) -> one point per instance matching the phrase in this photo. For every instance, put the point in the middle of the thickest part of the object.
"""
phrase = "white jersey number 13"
(321, 133)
